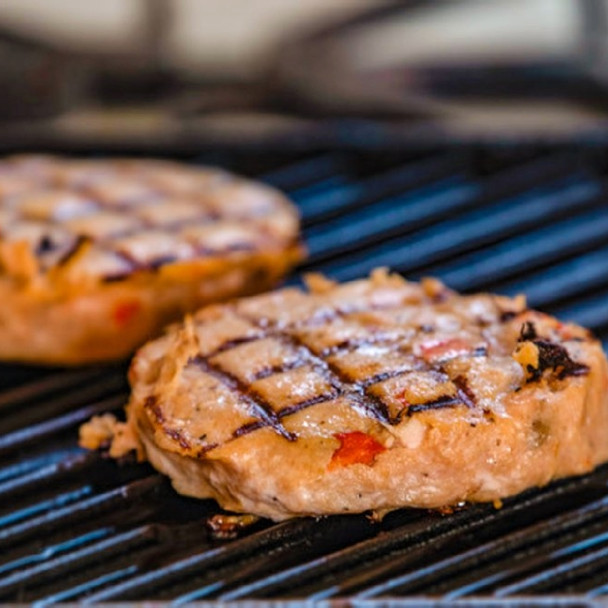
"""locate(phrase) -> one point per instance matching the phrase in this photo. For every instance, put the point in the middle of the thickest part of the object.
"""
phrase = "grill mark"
(234, 342)
(372, 405)
(381, 377)
(205, 216)
(464, 392)
(436, 404)
(256, 402)
(334, 376)
(125, 257)
(248, 428)
(151, 404)
(343, 386)
(297, 407)
(266, 372)
(356, 391)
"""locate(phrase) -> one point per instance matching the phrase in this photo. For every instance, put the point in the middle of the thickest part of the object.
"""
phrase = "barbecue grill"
(508, 217)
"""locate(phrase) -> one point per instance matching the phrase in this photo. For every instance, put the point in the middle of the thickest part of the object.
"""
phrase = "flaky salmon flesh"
(371, 395)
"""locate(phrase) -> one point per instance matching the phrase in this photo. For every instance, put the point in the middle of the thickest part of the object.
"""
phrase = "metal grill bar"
(524, 253)
(470, 231)
(583, 274)
(76, 527)
(489, 553)
(328, 199)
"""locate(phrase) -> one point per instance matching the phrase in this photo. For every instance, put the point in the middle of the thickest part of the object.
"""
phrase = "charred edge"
(550, 356)
(45, 245)
(527, 332)
(253, 400)
(436, 404)
(151, 403)
(464, 392)
(554, 356)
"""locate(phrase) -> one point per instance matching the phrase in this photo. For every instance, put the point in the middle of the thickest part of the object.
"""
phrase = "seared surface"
(370, 395)
(108, 218)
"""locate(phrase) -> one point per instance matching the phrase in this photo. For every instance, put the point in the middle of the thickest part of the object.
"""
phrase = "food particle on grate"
(293, 403)
(97, 256)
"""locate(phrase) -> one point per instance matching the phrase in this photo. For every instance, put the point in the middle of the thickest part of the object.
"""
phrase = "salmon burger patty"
(96, 256)
(374, 394)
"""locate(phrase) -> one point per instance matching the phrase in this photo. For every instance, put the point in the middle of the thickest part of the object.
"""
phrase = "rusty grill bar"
(76, 527)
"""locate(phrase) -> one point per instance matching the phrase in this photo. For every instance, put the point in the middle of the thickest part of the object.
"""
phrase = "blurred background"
(155, 72)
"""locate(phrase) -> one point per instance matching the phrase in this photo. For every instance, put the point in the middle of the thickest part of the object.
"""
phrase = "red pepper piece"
(355, 447)
(125, 311)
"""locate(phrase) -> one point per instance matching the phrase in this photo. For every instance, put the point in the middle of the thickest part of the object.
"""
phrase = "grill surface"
(514, 218)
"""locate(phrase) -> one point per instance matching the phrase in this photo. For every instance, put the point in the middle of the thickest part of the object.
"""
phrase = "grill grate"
(75, 527)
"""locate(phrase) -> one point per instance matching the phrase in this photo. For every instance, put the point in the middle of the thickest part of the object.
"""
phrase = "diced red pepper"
(125, 311)
(355, 447)
(453, 347)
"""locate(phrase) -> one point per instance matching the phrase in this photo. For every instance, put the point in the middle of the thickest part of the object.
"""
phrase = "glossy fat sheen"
(373, 352)
(97, 256)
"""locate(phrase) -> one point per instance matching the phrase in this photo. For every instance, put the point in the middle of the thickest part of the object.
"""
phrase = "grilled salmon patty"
(375, 394)
(96, 256)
